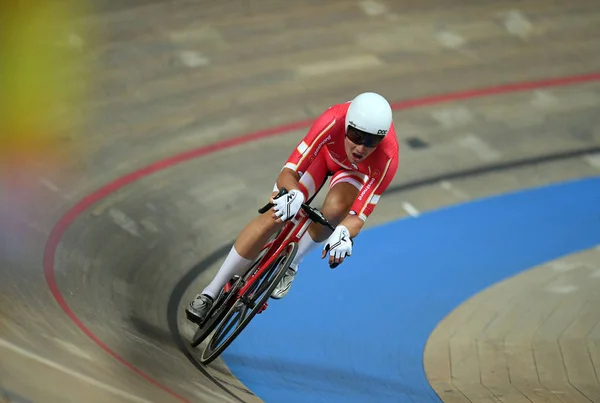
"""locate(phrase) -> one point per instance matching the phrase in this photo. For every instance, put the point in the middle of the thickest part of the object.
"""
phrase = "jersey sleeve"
(372, 190)
(314, 141)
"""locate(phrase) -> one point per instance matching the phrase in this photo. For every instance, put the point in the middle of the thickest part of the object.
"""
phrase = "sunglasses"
(359, 138)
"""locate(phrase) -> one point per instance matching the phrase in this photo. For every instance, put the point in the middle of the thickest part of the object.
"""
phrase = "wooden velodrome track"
(91, 311)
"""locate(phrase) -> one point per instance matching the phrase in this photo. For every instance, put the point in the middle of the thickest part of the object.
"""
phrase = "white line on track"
(410, 209)
(19, 350)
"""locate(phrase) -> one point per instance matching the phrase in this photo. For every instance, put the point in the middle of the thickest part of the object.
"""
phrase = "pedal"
(193, 318)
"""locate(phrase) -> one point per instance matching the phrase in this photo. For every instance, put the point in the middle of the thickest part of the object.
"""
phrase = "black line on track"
(219, 254)
(489, 168)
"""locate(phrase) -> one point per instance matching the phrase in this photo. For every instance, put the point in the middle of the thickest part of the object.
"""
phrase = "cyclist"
(353, 142)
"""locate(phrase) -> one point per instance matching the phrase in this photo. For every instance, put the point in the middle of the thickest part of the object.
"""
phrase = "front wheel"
(247, 306)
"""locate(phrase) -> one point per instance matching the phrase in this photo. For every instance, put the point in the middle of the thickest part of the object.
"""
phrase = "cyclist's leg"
(343, 190)
(241, 255)
(244, 251)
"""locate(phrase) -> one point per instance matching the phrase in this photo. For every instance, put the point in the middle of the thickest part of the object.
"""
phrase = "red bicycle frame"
(291, 232)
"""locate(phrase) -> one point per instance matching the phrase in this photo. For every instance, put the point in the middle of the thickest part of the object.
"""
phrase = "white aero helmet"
(370, 113)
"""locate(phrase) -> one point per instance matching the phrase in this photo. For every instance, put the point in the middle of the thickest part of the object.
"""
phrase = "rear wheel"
(247, 306)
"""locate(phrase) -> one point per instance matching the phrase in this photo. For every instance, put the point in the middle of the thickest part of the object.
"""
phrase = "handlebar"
(313, 213)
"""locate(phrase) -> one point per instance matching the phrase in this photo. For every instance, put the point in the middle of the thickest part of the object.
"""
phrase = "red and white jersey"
(326, 139)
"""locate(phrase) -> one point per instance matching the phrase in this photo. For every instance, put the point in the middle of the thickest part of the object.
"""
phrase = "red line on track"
(65, 222)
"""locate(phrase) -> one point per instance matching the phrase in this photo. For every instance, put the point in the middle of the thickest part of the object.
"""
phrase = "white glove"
(288, 205)
(339, 245)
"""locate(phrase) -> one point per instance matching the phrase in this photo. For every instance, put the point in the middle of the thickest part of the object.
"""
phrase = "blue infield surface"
(357, 333)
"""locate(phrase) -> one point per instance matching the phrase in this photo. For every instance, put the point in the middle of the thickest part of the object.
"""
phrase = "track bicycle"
(245, 296)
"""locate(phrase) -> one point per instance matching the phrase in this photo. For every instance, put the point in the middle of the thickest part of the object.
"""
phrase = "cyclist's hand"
(339, 245)
(288, 205)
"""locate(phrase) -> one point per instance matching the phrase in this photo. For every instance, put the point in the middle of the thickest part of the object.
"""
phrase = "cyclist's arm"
(288, 178)
(310, 146)
(354, 225)
(368, 197)
(313, 143)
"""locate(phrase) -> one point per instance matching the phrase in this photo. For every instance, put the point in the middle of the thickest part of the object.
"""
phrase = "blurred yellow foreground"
(43, 76)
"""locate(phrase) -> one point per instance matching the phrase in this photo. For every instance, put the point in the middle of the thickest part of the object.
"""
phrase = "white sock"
(305, 245)
(233, 264)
